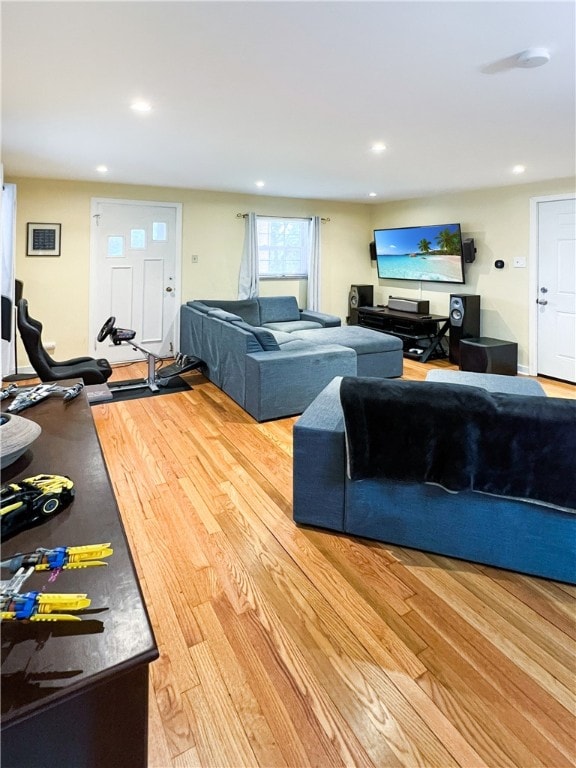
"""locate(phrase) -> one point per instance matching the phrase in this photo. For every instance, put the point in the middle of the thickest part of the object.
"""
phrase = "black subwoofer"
(486, 355)
(359, 296)
(464, 321)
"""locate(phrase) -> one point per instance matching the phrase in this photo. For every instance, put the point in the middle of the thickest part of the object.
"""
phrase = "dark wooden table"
(76, 693)
(424, 332)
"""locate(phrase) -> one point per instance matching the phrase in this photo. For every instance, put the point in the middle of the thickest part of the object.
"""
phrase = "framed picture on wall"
(43, 239)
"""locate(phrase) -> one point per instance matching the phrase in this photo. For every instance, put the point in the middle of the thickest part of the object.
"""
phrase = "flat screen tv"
(432, 253)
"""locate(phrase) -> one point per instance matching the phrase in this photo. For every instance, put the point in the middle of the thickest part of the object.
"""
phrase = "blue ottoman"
(377, 354)
(493, 382)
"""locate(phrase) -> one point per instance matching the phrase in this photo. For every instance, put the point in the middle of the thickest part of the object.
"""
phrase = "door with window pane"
(135, 246)
(557, 288)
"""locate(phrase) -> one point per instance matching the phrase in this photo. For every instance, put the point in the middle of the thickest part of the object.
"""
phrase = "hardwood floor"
(282, 646)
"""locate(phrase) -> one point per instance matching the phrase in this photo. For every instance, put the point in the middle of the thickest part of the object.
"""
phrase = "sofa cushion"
(298, 344)
(362, 340)
(247, 309)
(326, 320)
(199, 306)
(290, 326)
(277, 309)
(265, 338)
(222, 314)
(232, 339)
(378, 354)
(281, 336)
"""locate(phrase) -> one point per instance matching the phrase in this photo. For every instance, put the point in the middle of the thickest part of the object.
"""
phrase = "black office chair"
(88, 369)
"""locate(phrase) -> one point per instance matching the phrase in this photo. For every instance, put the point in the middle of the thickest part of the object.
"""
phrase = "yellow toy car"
(32, 501)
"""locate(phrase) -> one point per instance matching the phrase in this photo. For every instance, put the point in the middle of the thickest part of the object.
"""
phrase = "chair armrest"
(328, 321)
(319, 465)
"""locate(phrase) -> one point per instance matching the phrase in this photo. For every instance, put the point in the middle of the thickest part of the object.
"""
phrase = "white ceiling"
(293, 93)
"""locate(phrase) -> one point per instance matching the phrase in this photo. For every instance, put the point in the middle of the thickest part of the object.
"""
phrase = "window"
(138, 239)
(115, 245)
(283, 247)
(159, 231)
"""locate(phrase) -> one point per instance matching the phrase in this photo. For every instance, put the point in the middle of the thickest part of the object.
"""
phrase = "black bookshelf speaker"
(373, 251)
(6, 313)
(464, 322)
(468, 250)
(359, 296)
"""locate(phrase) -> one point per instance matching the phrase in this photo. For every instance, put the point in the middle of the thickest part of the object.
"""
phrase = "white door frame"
(94, 202)
(533, 277)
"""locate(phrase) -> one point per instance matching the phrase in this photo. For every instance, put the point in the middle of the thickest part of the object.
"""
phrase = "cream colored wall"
(57, 288)
(499, 221)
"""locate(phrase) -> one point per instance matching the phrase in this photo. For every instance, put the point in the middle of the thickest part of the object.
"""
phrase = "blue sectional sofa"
(336, 487)
(273, 358)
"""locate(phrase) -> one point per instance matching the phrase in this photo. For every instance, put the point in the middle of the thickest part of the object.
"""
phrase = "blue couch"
(258, 351)
(519, 534)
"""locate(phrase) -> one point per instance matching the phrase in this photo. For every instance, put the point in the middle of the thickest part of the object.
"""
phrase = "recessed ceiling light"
(517, 169)
(372, 194)
(378, 147)
(102, 168)
(141, 106)
(260, 183)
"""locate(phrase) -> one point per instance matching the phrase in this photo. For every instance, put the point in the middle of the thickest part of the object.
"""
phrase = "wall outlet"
(519, 261)
(194, 259)
(49, 346)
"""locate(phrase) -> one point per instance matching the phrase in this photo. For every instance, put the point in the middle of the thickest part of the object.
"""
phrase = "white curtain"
(248, 280)
(8, 221)
(313, 293)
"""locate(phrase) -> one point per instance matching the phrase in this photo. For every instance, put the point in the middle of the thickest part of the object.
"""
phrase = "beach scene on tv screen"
(420, 253)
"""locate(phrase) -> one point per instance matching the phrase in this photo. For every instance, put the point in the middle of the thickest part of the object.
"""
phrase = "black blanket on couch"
(462, 438)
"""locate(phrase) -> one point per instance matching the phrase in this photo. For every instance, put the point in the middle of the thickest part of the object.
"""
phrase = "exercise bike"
(163, 377)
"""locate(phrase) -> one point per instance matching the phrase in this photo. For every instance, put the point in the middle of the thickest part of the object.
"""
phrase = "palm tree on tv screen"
(448, 241)
(424, 245)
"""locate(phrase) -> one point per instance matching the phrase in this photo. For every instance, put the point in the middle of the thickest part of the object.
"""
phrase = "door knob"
(541, 301)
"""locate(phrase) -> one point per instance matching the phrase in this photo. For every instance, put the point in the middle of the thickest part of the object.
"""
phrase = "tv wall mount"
(155, 378)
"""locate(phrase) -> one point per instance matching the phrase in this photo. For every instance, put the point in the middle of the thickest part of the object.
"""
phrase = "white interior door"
(135, 258)
(556, 286)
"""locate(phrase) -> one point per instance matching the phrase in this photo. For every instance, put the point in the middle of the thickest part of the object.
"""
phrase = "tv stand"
(421, 334)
